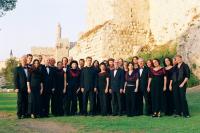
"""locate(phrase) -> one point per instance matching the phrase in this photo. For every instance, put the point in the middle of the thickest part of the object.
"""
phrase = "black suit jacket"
(143, 79)
(117, 81)
(88, 78)
(20, 79)
(49, 79)
(179, 74)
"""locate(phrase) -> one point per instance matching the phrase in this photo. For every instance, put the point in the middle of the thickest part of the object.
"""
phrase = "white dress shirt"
(141, 70)
(115, 71)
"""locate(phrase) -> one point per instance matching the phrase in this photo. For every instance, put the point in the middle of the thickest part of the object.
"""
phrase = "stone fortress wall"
(120, 28)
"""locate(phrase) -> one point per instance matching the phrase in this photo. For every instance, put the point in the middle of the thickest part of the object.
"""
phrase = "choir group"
(113, 87)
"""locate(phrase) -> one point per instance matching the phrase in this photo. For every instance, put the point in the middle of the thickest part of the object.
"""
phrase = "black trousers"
(45, 101)
(88, 95)
(22, 103)
(103, 103)
(130, 101)
(96, 103)
(57, 103)
(116, 103)
(70, 102)
(156, 94)
(168, 102)
(34, 105)
(109, 103)
(143, 94)
(80, 101)
(180, 100)
(139, 103)
(123, 102)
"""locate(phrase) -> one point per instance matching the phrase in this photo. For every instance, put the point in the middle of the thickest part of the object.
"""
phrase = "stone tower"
(115, 28)
(62, 45)
(120, 11)
(58, 32)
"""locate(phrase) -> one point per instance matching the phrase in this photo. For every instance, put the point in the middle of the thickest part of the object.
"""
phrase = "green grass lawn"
(141, 124)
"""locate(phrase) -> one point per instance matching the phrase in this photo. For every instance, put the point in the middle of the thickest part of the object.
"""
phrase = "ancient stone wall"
(179, 21)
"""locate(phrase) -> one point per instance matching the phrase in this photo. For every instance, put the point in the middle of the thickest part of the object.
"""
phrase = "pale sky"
(33, 23)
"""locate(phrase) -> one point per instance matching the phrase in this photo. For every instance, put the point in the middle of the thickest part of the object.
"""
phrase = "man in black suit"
(88, 86)
(80, 94)
(143, 83)
(29, 60)
(20, 83)
(49, 86)
(116, 86)
(180, 77)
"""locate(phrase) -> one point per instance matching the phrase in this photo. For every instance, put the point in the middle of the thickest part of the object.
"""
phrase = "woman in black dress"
(168, 95)
(96, 95)
(57, 97)
(103, 83)
(157, 84)
(35, 89)
(73, 87)
(130, 89)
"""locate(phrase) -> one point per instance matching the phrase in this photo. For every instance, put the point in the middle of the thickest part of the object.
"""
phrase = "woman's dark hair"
(59, 62)
(82, 60)
(95, 61)
(135, 57)
(110, 59)
(102, 63)
(33, 67)
(150, 60)
(131, 63)
(74, 61)
(64, 58)
(157, 60)
(36, 60)
(170, 60)
(29, 55)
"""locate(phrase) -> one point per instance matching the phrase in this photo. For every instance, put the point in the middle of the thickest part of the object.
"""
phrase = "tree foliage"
(7, 5)
(8, 71)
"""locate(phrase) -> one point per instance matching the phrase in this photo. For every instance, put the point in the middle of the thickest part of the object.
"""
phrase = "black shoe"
(114, 114)
(32, 116)
(177, 115)
(154, 115)
(186, 116)
(22, 117)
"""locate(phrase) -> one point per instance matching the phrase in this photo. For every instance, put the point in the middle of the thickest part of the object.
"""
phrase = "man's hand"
(82, 90)
(136, 90)
(29, 91)
(95, 89)
(106, 90)
(164, 89)
(41, 91)
(170, 87)
(124, 91)
(121, 91)
(148, 89)
(16, 90)
(64, 90)
(110, 91)
(181, 85)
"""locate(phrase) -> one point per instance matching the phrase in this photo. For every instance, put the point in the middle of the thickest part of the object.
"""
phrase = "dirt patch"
(45, 127)
(194, 89)
(5, 115)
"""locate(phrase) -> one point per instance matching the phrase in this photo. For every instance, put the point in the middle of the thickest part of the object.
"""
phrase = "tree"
(8, 71)
(7, 5)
